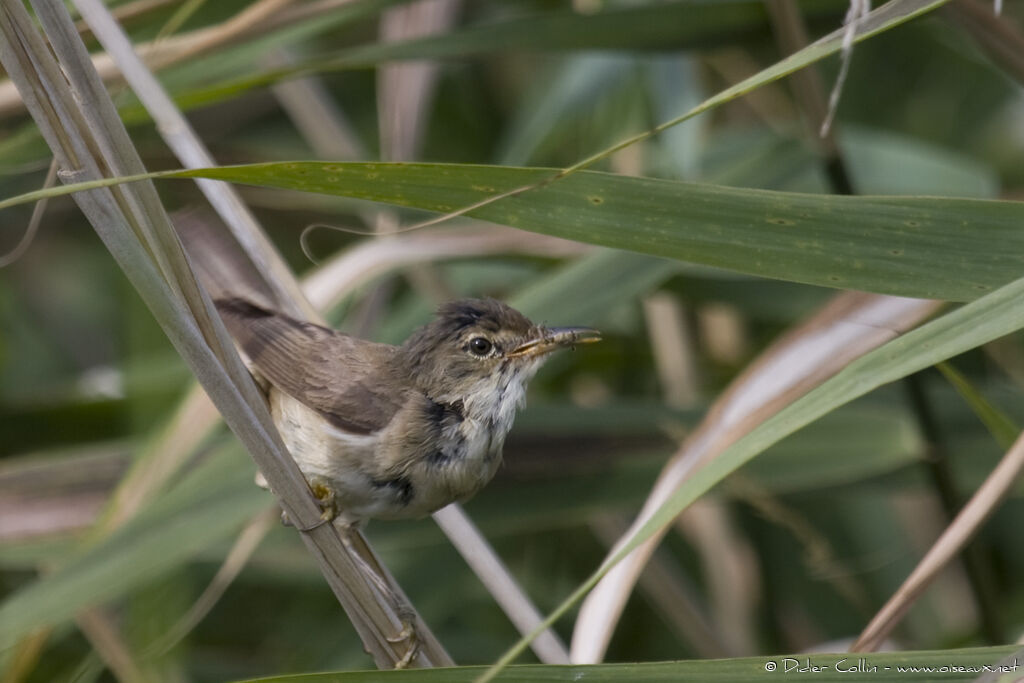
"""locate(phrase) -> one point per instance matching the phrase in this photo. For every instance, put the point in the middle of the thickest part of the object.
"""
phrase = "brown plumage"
(385, 431)
(343, 378)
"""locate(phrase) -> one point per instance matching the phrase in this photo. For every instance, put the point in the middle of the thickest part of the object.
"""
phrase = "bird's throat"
(492, 404)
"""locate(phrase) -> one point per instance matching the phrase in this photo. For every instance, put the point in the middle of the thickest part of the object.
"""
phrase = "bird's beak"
(552, 338)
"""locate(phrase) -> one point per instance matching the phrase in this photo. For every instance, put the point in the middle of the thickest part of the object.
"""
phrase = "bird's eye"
(480, 346)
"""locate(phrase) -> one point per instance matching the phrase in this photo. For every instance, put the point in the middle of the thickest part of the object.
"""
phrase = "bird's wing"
(335, 374)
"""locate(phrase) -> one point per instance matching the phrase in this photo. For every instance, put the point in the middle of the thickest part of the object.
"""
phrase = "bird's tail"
(218, 260)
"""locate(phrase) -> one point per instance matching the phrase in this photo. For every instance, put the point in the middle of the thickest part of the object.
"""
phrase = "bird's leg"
(362, 555)
(348, 531)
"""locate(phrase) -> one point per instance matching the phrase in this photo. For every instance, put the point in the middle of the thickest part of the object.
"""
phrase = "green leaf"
(886, 163)
(840, 449)
(208, 505)
(675, 26)
(880, 163)
(907, 246)
(927, 247)
(1002, 428)
(869, 668)
(584, 291)
(557, 104)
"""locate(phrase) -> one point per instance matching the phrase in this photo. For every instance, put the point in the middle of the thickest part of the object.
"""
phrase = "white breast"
(491, 409)
(321, 450)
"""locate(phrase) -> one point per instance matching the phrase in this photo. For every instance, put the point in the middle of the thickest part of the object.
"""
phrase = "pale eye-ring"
(480, 346)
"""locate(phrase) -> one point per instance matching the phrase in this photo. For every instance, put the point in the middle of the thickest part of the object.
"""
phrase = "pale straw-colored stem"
(960, 531)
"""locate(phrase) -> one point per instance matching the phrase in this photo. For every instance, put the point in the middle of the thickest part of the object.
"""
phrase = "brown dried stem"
(981, 505)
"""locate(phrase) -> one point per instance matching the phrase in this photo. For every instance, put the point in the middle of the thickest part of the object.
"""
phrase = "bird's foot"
(324, 495)
(407, 634)
(326, 517)
(374, 573)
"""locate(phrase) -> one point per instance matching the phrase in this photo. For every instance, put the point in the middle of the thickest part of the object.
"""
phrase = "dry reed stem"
(966, 524)
(105, 637)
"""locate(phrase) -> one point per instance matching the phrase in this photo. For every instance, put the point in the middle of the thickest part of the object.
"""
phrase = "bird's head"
(476, 347)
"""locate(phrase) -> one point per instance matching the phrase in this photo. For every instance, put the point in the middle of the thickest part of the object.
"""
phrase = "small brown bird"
(389, 432)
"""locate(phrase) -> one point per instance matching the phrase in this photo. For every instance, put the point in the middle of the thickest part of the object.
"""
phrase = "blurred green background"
(825, 525)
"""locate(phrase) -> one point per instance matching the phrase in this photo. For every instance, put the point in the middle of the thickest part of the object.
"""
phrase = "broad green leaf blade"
(927, 247)
(996, 421)
(960, 665)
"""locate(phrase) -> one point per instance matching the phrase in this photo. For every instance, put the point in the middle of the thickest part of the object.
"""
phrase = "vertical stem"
(936, 458)
(791, 36)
